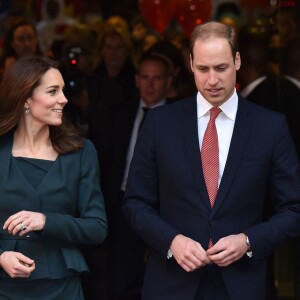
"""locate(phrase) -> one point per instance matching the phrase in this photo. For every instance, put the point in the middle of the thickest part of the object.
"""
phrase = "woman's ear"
(27, 107)
(27, 103)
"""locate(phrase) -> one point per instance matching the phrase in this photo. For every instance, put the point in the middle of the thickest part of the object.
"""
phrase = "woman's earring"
(27, 111)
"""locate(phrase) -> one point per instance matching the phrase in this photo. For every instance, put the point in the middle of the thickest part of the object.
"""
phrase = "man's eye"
(221, 69)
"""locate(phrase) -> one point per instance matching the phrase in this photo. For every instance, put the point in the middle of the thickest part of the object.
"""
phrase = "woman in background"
(51, 201)
(20, 40)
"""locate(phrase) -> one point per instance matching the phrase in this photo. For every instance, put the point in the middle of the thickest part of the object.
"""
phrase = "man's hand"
(188, 253)
(228, 250)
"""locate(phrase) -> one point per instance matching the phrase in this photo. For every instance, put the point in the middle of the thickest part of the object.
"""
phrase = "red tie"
(210, 157)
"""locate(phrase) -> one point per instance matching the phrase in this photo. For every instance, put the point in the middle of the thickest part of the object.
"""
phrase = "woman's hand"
(16, 264)
(24, 222)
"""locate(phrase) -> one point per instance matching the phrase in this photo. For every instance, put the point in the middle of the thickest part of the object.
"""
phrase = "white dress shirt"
(224, 123)
(135, 130)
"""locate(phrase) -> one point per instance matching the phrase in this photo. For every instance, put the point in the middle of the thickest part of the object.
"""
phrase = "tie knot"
(145, 109)
(214, 112)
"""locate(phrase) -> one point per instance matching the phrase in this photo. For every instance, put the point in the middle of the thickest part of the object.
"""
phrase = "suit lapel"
(191, 142)
(238, 143)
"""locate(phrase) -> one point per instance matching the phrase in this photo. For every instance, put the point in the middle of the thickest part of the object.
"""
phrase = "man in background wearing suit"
(214, 184)
(258, 84)
(127, 251)
(290, 87)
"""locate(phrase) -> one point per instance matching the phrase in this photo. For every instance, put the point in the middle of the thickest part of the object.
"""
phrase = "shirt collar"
(229, 107)
(143, 104)
(293, 80)
(251, 86)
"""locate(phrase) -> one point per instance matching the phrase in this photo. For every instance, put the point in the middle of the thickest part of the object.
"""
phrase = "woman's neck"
(33, 143)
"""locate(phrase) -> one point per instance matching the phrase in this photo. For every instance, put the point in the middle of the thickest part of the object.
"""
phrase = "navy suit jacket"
(259, 194)
(71, 199)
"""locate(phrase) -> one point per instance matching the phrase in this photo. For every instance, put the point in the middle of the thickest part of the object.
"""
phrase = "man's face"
(214, 69)
(152, 82)
(114, 51)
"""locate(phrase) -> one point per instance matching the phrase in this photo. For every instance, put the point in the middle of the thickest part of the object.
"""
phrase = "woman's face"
(25, 41)
(48, 100)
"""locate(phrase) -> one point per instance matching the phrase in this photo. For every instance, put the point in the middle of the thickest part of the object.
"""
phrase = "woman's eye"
(52, 92)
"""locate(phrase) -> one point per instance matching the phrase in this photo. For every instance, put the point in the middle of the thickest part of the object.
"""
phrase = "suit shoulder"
(259, 110)
(89, 146)
(87, 149)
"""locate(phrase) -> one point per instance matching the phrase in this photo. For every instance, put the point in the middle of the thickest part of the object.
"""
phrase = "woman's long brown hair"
(18, 84)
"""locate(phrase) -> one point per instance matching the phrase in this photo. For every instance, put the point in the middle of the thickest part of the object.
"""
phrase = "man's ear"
(237, 61)
(191, 62)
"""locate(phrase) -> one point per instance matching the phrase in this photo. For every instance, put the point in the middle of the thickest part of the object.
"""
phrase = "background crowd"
(115, 66)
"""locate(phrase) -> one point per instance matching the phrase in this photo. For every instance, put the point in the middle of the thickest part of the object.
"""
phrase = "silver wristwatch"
(248, 253)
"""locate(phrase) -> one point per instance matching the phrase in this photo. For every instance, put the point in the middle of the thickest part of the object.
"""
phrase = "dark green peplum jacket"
(71, 199)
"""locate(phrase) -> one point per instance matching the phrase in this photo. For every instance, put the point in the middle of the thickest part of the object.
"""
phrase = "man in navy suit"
(257, 205)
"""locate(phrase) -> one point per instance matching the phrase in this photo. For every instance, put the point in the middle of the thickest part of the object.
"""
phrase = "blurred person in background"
(138, 29)
(229, 13)
(290, 87)
(77, 64)
(53, 24)
(143, 37)
(116, 21)
(183, 84)
(116, 70)
(284, 25)
(127, 252)
(256, 80)
(20, 40)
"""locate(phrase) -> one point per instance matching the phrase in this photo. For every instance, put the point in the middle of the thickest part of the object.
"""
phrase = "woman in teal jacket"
(50, 198)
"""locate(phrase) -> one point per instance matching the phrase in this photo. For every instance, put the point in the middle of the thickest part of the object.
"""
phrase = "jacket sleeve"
(141, 202)
(284, 224)
(89, 225)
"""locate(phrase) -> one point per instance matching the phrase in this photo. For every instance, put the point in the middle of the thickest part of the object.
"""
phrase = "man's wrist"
(247, 241)
(1, 258)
